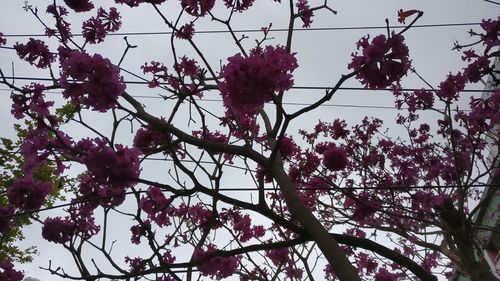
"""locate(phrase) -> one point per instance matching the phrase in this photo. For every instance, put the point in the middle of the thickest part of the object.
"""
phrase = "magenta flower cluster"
(91, 81)
(8, 273)
(381, 62)
(249, 82)
(79, 5)
(96, 28)
(36, 52)
(27, 193)
(216, 267)
(109, 171)
(305, 13)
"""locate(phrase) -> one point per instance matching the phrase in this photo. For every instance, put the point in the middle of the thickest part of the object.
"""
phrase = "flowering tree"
(323, 193)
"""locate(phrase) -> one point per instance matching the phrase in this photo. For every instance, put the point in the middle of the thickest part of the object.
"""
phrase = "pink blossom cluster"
(278, 256)
(187, 67)
(62, 27)
(197, 8)
(157, 206)
(90, 81)
(96, 28)
(58, 230)
(149, 140)
(140, 230)
(3, 41)
(239, 5)
(241, 125)
(186, 31)
(242, 225)
(79, 5)
(216, 267)
(33, 105)
(382, 62)
(136, 264)
(249, 82)
(36, 52)
(27, 193)
(135, 3)
(334, 158)
(417, 100)
(158, 70)
(109, 171)
(305, 13)
(451, 87)
(384, 275)
(8, 273)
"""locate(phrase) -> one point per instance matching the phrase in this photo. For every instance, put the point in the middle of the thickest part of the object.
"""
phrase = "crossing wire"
(251, 30)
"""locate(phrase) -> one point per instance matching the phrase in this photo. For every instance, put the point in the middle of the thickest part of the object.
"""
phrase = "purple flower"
(249, 82)
(335, 158)
(186, 31)
(304, 12)
(27, 193)
(35, 52)
(8, 273)
(91, 81)
(239, 5)
(382, 62)
(216, 267)
(79, 5)
(58, 230)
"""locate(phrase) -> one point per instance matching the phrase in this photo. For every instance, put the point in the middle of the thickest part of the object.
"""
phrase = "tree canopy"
(332, 200)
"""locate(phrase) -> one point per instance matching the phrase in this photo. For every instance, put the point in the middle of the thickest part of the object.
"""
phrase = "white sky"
(322, 56)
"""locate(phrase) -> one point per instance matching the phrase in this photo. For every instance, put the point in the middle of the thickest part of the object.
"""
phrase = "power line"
(284, 103)
(251, 30)
(293, 87)
(245, 189)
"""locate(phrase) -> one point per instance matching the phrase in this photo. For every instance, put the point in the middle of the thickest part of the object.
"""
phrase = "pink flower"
(58, 230)
(3, 41)
(382, 62)
(304, 12)
(91, 81)
(278, 256)
(384, 275)
(8, 273)
(197, 8)
(451, 87)
(35, 52)
(93, 31)
(157, 206)
(109, 171)
(139, 230)
(186, 31)
(62, 26)
(239, 5)
(96, 28)
(79, 5)
(250, 82)
(335, 158)
(27, 193)
(187, 67)
(136, 264)
(149, 140)
(216, 267)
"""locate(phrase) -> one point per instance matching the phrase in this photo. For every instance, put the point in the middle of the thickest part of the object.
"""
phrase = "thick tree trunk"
(341, 265)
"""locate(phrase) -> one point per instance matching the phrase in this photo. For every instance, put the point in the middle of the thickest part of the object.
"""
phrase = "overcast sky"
(322, 56)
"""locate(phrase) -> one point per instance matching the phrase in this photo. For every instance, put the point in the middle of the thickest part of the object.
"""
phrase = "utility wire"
(293, 87)
(251, 30)
(284, 103)
(68, 204)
